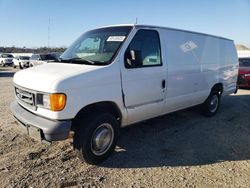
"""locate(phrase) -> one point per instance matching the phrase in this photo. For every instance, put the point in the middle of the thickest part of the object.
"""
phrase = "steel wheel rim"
(214, 103)
(102, 139)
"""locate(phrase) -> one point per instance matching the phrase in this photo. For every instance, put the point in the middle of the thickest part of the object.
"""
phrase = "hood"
(42, 77)
(23, 60)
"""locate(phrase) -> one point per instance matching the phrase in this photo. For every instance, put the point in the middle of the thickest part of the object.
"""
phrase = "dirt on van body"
(182, 149)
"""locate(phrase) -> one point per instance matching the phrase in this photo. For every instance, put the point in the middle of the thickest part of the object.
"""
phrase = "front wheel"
(20, 66)
(95, 138)
(211, 105)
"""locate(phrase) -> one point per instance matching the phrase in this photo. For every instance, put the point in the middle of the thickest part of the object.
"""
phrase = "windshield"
(24, 57)
(97, 47)
(34, 57)
(244, 62)
(47, 57)
(7, 56)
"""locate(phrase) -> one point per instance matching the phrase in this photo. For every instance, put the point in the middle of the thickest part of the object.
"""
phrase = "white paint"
(243, 53)
(189, 75)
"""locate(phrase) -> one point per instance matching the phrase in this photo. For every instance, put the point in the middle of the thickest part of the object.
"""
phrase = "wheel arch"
(101, 107)
(218, 87)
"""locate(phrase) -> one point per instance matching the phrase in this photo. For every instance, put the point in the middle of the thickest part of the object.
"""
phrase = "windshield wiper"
(77, 59)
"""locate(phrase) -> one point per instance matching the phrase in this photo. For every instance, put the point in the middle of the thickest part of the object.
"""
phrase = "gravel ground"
(182, 149)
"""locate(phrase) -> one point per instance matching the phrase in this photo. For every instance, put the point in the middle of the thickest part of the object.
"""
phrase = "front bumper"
(8, 63)
(25, 64)
(38, 127)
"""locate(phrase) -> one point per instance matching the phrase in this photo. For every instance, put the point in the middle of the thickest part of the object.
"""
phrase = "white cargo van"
(115, 76)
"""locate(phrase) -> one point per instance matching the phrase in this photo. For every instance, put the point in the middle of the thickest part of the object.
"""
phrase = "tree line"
(30, 50)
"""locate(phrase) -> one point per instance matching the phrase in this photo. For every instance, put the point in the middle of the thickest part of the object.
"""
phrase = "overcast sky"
(25, 22)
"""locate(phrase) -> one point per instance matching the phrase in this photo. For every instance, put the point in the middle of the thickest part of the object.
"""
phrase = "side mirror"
(133, 58)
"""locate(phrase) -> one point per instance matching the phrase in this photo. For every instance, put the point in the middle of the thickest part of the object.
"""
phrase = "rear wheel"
(95, 137)
(211, 105)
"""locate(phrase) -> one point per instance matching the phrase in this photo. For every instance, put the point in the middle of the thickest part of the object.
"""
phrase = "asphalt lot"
(181, 149)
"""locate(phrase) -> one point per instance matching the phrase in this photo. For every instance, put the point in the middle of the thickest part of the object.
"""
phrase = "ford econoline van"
(115, 76)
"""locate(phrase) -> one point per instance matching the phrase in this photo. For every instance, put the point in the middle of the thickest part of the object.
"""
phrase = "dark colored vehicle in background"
(244, 72)
(56, 55)
(39, 59)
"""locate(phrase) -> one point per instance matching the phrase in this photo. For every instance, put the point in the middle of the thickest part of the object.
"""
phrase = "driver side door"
(143, 76)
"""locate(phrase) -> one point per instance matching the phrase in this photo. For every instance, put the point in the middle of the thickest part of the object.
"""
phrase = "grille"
(25, 97)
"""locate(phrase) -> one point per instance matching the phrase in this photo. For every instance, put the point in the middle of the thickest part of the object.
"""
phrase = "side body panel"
(184, 77)
(195, 63)
(229, 66)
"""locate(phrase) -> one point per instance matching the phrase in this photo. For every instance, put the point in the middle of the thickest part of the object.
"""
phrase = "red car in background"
(244, 72)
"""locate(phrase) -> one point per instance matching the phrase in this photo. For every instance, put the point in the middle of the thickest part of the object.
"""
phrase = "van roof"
(162, 27)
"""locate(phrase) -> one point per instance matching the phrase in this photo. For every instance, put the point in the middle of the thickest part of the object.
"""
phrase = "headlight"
(247, 75)
(54, 102)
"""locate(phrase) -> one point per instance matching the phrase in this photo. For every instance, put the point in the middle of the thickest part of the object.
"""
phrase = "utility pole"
(136, 20)
(49, 33)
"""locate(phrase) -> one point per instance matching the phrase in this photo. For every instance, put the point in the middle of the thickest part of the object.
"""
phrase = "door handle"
(163, 84)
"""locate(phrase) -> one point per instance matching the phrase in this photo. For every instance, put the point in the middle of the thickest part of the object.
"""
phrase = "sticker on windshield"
(116, 39)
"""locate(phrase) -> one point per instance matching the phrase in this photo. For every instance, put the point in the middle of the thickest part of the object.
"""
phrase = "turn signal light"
(57, 101)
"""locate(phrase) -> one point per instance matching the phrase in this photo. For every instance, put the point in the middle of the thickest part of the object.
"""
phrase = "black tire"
(210, 107)
(87, 129)
(20, 66)
(14, 66)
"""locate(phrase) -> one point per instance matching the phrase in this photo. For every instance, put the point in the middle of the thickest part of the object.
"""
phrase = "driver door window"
(144, 50)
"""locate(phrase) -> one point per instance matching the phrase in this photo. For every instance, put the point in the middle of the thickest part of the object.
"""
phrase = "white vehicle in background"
(243, 53)
(115, 76)
(39, 59)
(21, 62)
(6, 59)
